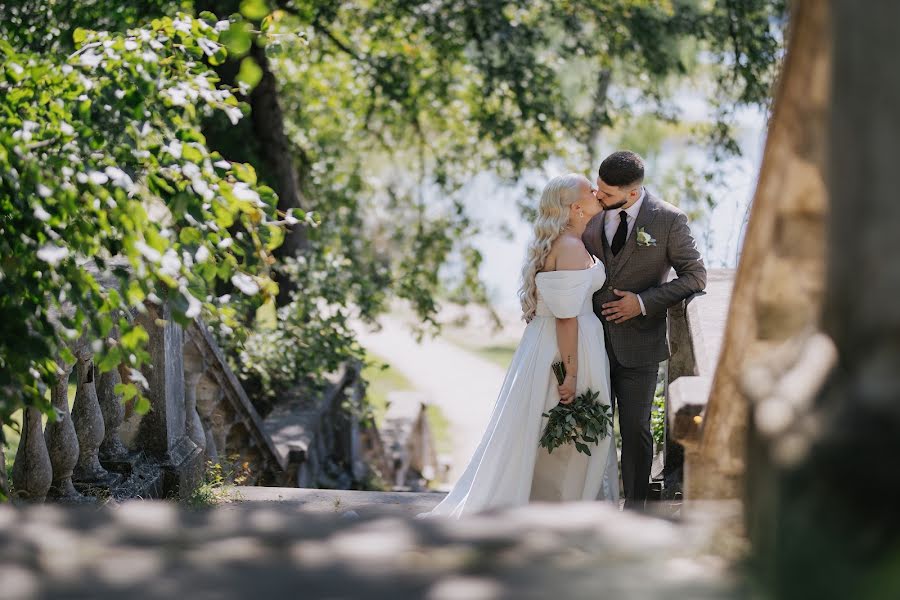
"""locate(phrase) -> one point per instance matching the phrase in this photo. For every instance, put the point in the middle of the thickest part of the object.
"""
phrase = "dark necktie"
(621, 234)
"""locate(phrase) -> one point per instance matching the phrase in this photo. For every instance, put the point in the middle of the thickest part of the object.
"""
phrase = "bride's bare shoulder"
(572, 255)
(569, 254)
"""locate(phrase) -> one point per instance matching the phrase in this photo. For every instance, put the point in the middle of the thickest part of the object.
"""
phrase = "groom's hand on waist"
(628, 306)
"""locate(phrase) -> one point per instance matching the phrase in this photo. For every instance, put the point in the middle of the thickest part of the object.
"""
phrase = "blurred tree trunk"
(778, 287)
(275, 149)
(836, 525)
(261, 140)
(599, 116)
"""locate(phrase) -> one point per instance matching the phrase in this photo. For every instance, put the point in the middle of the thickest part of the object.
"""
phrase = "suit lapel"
(644, 219)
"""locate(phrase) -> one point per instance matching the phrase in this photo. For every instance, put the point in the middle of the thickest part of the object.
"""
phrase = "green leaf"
(66, 355)
(219, 56)
(276, 237)
(190, 236)
(209, 17)
(254, 10)
(191, 153)
(79, 35)
(135, 295)
(237, 38)
(134, 338)
(126, 390)
(244, 172)
(250, 73)
(142, 405)
(110, 360)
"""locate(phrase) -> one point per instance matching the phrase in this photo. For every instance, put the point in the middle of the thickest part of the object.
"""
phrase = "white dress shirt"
(612, 224)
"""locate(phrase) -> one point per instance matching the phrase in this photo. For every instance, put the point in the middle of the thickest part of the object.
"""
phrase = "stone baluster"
(62, 442)
(113, 411)
(209, 406)
(194, 368)
(32, 472)
(88, 421)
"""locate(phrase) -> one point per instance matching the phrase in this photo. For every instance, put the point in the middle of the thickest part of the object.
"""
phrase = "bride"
(558, 281)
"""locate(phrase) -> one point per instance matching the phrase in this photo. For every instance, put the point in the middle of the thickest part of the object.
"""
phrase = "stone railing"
(409, 443)
(696, 329)
(103, 447)
(199, 415)
(81, 454)
(320, 438)
(221, 418)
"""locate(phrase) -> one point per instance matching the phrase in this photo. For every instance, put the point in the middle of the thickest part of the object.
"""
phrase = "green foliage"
(658, 419)
(218, 479)
(104, 173)
(312, 333)
(383, 100)
(582, 422)
(745, 36)
(103, 155)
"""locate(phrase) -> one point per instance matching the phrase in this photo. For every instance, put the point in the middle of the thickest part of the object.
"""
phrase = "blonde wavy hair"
(552, 218)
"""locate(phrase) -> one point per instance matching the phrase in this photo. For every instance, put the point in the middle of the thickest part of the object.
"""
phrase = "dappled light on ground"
(162, 550)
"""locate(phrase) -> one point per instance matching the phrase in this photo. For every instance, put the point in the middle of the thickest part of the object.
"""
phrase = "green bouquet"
(582, 422)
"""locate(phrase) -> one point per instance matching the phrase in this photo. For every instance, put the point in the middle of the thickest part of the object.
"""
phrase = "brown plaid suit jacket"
(645, 271)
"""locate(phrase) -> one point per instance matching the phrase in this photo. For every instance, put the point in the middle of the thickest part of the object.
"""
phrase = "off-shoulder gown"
(509, 467)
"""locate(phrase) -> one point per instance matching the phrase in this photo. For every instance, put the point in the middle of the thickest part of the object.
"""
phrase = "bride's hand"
(567, 390)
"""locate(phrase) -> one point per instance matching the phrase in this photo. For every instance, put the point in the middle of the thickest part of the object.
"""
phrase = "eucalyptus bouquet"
(582, 422)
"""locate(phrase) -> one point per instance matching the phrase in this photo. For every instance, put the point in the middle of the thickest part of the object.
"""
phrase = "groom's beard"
(618, 204)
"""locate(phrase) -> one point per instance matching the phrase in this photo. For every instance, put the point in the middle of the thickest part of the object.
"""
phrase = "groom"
(640, 238)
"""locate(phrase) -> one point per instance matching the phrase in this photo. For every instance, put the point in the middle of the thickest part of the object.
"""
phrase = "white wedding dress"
(509, 467)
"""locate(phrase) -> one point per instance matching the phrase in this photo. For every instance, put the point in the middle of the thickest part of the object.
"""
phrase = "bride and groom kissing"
(595, 292)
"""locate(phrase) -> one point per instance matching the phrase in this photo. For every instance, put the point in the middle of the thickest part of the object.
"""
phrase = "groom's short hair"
(622, 168)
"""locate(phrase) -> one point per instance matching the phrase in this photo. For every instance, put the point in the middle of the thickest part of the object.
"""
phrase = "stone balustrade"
(199, 414)
(80, 455)
(408, 442)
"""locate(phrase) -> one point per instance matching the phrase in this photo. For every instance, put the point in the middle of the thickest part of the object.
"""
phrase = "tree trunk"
(778, 286)
(275, 149)
(262, 141)
(837, 526)
(599, 117)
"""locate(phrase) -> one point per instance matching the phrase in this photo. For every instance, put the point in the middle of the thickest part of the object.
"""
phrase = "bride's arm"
(567, 340)
(571, 257)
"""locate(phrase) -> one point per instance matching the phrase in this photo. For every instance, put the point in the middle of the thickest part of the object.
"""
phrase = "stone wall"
(220, 417)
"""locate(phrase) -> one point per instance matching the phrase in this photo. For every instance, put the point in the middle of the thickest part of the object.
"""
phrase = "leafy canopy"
(105, 175)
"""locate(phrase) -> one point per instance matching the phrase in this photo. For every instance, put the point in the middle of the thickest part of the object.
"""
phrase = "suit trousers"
(632, 394)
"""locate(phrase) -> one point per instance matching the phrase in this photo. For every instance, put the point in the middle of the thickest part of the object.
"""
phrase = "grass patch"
(382, 379)
(218, 481)
(500, 355)
(440, 428)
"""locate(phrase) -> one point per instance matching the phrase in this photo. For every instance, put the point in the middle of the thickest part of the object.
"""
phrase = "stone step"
(363, 503)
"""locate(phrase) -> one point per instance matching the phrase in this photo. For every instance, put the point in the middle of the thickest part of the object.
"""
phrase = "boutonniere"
(644, 238)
